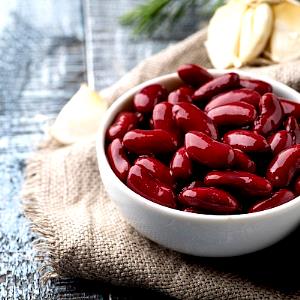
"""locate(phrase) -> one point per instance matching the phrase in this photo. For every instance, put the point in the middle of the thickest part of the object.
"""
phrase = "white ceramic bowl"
(196, 234)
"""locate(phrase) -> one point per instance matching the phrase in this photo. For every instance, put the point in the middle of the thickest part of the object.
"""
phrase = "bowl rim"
(104, 166)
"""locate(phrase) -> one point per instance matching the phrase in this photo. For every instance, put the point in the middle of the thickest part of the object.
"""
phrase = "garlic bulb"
(242, 30)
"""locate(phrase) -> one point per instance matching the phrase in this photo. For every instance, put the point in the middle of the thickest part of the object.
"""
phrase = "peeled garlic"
(285, 40)
(223, 34)
(242, 30)
(255, 31)
(80, 117)
(239, 32)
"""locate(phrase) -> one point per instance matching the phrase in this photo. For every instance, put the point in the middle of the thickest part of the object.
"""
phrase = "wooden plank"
(42, 62)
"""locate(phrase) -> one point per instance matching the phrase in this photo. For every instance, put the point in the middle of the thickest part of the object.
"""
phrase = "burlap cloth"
(83, 235)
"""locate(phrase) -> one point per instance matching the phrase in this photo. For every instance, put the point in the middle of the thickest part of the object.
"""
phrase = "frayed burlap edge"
(44, 244)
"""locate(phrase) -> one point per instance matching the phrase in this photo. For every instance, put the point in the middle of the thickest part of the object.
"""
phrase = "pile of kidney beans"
(224, 145)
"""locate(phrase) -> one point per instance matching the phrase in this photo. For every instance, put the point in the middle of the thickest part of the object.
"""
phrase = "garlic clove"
(80, 117)
(257, 22)
(223, 34)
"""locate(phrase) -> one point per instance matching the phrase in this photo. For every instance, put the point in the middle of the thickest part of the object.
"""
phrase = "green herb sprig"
(148, 17)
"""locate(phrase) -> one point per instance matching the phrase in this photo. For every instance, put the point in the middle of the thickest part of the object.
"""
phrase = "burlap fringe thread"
(45, 243)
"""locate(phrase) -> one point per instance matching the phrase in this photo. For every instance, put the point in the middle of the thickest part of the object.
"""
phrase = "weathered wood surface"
(43, 59)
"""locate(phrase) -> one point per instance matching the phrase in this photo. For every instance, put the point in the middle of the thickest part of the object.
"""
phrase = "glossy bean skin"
(290, 108)
(244, 95)
(284, 166)
(150, 124)
(148, 97)
(247, 141)
(149, 141)
(207, 151)
(280, 197)
(209, 198)
(259, 86)
(193, 75)
(243, 162)
(292, 126)
(191, 210)
(117, 159)
(182, 94)
(237, 114)
(143, 183)
(162, 117)
(246, 182)
(124, 122)
(271, 114)
(181, 165)
(193, 184)
(280, 140)
(156, 168)
(217, 86)
(189, 117)
(297, 186)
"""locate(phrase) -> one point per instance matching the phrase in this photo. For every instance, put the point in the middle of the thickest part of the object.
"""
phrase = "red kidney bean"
(259, 86)
(236, 113)
(144, 184)
(243, 162)
(193, 74)
(290, 107)
(297, 186)
(117, 159)
(183, 94)
(209, 198)
(140, 116)
(149, 141)
(246, 182)
(207, 151)
(284, 166)
(189, 117)
(216, 86)
(181, 165)
(280, 140)
(156, 168)
(193, 184)
(278, 198)
(247, 141)
(293, 127)
(124, 122)
(271, 114)
(151, 125)
(148, 97)
(191, 210)
(244, 95)
(163, 117)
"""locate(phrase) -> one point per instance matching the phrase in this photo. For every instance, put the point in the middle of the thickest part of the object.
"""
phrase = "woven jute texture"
(83, 235)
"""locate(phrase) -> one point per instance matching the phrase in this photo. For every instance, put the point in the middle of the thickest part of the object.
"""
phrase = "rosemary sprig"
(148, 17)
(144, 17)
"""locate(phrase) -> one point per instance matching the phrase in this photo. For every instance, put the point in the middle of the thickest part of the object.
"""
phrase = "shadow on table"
(276, 267)
(89, 289)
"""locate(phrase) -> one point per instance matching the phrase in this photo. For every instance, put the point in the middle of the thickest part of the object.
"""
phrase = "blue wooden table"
(47, 48)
